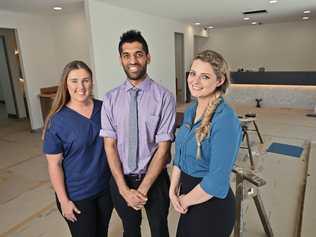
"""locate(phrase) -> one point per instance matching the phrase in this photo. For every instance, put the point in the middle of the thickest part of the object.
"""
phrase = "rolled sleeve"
(107, 120)
(164, 137)
(225, 139)
(166, 126)
(107, 133)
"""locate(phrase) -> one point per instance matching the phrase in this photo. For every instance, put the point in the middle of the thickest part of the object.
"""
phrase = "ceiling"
(220, 13)
(41, 7)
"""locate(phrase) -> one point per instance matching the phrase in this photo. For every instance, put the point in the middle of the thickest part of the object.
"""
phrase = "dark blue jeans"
(157, 207)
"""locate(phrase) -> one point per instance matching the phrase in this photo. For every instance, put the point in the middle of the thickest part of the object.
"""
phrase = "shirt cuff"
(164, 137)
(52, 152)
(176, 163)
(107, 133)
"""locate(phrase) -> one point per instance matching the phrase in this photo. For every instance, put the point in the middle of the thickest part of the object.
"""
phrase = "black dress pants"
(93, 221)
(157, 207)
(213, 218)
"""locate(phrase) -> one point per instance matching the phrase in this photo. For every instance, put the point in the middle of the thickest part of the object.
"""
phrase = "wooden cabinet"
(47, 95)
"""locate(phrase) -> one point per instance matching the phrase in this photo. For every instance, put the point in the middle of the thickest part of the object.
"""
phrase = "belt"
(135, 177)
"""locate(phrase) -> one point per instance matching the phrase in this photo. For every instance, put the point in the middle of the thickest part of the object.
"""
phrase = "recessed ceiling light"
(306, 11)
(210, 27)
(273, 1)
(246, 18)
(254, 23)
(197, 23)
(305, 17)
(57, 8)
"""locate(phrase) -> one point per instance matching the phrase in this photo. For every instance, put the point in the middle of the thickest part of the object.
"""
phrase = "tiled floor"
(27, 207)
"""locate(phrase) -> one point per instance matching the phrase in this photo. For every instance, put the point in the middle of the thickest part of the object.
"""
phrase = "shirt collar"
(144, 85)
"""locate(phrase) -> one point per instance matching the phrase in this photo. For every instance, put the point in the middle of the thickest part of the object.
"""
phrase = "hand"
(144, 196)
(69, 210)
(135, 199)
(176, 203)
(183, 203)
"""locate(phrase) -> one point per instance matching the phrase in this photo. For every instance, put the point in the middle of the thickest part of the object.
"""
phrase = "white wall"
(107, 23)
(71, 38)
(38, 55)
(46, 45)
(277, 47)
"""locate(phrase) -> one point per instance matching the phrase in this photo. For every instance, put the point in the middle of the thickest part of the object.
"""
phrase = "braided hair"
(221, 70)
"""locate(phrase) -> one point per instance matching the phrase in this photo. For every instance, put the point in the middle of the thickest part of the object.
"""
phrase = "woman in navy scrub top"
(75, 153)
(207, 145)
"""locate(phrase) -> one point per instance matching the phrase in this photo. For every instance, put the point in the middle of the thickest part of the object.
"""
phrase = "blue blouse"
(219, 149)
(85, 167)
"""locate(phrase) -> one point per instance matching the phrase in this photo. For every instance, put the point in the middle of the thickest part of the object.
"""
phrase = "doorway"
(7, 97)
(180, 71)
(12, 96)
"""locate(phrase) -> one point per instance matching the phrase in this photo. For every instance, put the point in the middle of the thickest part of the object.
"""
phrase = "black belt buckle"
(136, 177)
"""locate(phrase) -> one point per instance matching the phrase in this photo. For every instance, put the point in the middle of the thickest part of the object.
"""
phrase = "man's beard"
(137, 76)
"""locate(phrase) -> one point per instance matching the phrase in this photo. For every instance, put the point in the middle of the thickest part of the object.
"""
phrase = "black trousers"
(213, 218)
(93, 221)
(157, 207)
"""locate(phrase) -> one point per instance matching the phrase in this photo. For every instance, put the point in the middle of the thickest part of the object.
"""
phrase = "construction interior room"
(270, 47)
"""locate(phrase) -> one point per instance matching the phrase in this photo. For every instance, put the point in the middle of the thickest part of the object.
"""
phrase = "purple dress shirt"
(156, 120)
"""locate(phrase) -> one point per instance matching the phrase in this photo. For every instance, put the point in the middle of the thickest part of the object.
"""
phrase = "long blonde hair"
(221, 70)
(62, 96)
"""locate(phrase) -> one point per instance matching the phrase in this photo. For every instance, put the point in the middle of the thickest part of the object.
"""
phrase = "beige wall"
(107, 23)
(38, 54)
(277, 47)
(46, 45)
(71, 39)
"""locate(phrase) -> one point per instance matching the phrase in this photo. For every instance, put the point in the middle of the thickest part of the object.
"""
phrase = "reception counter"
(290, 89)
(280, 96)
(303, 78)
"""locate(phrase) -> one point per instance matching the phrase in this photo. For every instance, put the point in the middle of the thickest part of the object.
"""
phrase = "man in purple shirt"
(137, 141)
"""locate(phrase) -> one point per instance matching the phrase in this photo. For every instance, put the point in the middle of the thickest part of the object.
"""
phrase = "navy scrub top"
(85, 167)
(219, 149)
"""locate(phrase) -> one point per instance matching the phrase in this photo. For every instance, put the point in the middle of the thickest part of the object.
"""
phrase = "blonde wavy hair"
(221, 70)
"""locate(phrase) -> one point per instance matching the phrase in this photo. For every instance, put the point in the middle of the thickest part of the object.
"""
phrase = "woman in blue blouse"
(207, 145)
(76, 158)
